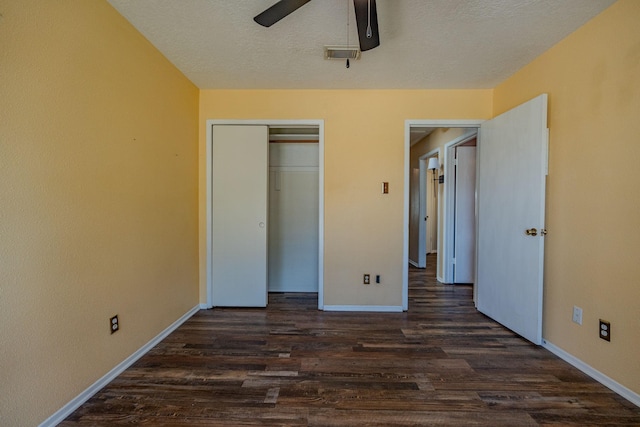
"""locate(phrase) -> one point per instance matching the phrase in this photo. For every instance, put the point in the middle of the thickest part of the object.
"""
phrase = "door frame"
(209, 177)
(423, 188)
(408, 124)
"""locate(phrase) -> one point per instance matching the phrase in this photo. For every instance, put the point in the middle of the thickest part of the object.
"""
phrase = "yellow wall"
(593, 203)
(364, 146)
(98, 190)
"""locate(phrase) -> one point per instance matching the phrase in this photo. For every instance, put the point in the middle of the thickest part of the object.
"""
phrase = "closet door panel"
(239, 215)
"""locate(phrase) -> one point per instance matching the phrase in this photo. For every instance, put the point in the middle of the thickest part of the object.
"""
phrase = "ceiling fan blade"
(279, 11)
(367, 20)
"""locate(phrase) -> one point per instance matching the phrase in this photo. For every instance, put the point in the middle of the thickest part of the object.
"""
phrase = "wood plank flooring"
(441, 363)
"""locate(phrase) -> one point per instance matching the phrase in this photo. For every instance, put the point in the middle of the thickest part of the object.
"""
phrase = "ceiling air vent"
(341, 52)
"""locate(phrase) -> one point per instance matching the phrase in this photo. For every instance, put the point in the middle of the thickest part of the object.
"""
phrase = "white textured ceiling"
(424, 44)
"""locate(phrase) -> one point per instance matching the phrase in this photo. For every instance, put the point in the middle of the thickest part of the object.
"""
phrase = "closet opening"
(293, 233)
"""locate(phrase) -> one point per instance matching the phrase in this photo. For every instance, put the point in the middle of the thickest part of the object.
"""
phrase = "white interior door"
(432, 212)
(465, 215)
(239, 215)
(293, 217)
(511, 195)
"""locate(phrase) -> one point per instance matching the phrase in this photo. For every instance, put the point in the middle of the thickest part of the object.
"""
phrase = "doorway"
(510, 220)
(293, 209)
(299, 126)
(413, 128)
(444, 224)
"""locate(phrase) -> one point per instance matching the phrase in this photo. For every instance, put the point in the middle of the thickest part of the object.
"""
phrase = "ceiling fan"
(366, 18)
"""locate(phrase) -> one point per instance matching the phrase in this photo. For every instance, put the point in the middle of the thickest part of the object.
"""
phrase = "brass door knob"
(531, 232)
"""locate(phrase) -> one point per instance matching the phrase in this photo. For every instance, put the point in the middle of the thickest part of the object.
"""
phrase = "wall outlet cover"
(605, 330)
(577, 315)
(114, 324)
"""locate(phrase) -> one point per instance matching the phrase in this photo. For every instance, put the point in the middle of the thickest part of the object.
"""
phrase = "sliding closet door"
(239, 215)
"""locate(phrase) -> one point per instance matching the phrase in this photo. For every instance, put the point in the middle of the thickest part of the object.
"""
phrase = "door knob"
(531, 232)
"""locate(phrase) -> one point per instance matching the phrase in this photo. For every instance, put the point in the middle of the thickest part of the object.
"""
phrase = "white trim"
(320, 214)
(405, 224)
(204, 307)
(448, 210)
(209, 213)
(77, 401)
(606, 381)
(293, 168)
(464, 123)
(209, 221)
(415, 264)
(376, 308)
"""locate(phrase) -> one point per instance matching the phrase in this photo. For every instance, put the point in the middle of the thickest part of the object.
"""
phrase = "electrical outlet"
(366, 279)
(577, 315)
(605, 330)
(114, 325)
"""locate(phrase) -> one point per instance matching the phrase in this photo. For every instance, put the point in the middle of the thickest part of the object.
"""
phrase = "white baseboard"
(415, 264)
(205, 306)
(615, 386)
(77, 401)
(378, 308)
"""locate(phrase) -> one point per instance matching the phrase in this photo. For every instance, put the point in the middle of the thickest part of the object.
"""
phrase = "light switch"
(385, 188)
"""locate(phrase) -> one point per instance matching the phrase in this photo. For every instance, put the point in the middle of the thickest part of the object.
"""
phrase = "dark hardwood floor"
(441, 363)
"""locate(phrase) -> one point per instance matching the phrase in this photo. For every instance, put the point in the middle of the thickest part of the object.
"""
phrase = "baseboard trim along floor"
(76, 402)
(593, 373)
(372, 308)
